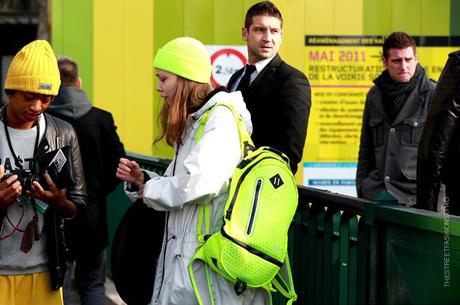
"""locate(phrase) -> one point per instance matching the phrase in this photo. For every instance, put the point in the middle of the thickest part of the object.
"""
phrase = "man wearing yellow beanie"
(33, 206)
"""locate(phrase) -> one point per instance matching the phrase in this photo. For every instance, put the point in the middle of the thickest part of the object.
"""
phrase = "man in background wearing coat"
(87, 235)
(394, 115)
(277, 95)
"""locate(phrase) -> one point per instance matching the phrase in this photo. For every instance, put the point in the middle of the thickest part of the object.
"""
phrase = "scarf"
(395, 94)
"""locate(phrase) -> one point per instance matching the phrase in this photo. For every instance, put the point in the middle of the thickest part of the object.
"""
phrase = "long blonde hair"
(188, 98)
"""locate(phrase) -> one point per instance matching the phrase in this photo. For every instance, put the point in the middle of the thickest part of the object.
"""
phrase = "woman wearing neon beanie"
(198, 174)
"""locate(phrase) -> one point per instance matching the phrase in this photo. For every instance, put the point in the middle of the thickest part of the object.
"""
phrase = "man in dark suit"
(277, 95)
(101, 149)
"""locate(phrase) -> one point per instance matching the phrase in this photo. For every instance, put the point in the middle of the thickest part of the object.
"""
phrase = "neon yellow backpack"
(250, 250)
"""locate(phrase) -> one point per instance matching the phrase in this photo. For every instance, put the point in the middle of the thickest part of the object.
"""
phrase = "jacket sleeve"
(113, 151)
(295, 100)
(77, 193)
(207, 167)
(431, 170)
(366, 156)
(436, 141)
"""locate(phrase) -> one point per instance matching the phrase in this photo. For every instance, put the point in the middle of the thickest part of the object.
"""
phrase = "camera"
(26, 178)
(55, 163)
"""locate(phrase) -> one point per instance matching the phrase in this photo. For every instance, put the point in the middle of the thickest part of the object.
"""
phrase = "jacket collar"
(71, 103)
(266, 73)
(412, 104)
(207, 103)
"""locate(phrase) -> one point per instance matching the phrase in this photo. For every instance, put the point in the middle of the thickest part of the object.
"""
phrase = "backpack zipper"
(252, 250)
(255, 202)
(228, 214)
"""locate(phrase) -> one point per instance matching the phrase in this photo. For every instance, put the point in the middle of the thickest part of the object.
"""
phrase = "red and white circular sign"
(226, 61)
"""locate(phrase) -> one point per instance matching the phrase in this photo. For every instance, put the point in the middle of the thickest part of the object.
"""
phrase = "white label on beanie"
(45, 86)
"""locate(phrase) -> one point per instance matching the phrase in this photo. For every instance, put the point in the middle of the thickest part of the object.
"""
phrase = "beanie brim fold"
(37, 84)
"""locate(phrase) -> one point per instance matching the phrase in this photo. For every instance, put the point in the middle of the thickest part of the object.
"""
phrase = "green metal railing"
(327, 243)
(345, 250)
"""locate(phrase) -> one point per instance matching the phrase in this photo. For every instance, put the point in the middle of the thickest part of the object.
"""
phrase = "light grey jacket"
(198, 174)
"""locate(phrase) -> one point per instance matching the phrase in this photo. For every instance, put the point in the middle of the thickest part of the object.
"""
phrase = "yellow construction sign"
(341, 70)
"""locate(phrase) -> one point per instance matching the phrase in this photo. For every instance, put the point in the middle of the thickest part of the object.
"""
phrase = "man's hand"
(55, 198)
(10, 189)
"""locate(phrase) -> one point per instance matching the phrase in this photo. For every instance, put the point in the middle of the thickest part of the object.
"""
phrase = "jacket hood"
(70, 103)
(233, 98)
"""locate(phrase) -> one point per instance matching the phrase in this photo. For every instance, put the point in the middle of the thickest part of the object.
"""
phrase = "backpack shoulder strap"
(204, 218)
(245, 139)
(285, 284)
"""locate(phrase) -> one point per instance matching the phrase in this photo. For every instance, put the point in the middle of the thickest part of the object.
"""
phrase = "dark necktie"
(244, 82)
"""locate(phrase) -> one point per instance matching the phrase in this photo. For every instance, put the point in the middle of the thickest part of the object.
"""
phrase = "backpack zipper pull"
(240, 287)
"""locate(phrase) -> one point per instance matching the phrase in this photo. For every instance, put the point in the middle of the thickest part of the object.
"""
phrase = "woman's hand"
(130, 171)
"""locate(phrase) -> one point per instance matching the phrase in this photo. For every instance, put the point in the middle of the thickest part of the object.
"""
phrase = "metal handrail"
(338, 245)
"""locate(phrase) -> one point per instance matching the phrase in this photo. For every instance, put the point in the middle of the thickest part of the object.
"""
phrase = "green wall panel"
(435, 18)
(455, 17)
(319, 17)
(72, 35)
(199, 20)
(229, 16)
(416, 17)
(407, 16)
(168, 21)
(377, 17)
(57, 29)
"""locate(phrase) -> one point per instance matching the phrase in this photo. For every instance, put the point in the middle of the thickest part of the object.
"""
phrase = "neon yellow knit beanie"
(34, 69)
(186, 57)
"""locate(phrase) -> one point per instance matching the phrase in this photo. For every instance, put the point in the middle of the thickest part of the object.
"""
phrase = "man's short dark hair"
(398, 40)
(262, 8)
(68, 69)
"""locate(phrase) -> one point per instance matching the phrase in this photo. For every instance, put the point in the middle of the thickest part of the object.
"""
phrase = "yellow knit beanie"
(186, 57)
(34, 69)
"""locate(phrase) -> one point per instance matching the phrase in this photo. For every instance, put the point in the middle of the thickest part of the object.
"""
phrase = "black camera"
(56, 163)
(26, 179)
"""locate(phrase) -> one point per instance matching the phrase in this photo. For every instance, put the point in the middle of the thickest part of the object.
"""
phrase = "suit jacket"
(279, 101)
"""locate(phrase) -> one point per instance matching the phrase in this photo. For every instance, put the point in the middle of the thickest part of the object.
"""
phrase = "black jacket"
(58, 134)
(439, 151)
(279, 101)
(101, 150)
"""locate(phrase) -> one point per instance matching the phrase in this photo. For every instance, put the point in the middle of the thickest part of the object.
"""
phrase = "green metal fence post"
(353, 259)
(362, 285)
(329, 239)
(319, 271)
(344, 257)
